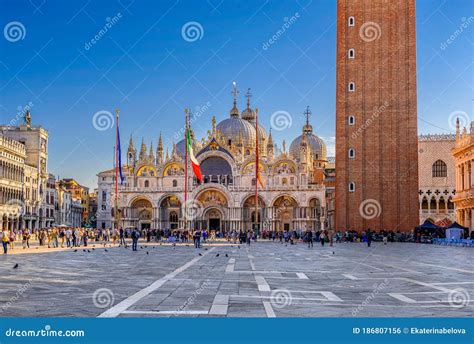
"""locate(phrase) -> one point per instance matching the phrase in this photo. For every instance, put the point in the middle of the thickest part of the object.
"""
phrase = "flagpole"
(116, 169)
(256, 174)
(186, 111)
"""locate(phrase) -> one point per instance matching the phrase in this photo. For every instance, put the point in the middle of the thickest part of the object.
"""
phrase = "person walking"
(12, 239)
(26, 239)
(135, 236)
(385, 237)
(249, 237)
(369, 237)
(322, 238)
(197, 239)
(309, 238)
(5, 238)
(68, 234)
(122, 237)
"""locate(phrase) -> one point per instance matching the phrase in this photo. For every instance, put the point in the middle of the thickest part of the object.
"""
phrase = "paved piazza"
(263, 280)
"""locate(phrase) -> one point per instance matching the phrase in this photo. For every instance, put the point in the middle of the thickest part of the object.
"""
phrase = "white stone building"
(436, 173)
(153, 193)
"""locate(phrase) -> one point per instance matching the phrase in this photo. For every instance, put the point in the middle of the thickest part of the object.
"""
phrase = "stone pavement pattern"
(263, 280)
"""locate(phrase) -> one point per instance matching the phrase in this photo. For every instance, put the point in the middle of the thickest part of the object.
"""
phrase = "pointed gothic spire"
(130, 143)
(159, 150)
(151, 155)
(143, 150)
(270, 138)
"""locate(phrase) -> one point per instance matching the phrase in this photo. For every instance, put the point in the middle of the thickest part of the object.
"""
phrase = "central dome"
(231, 128)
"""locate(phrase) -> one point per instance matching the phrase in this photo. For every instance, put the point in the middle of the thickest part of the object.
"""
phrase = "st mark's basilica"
(152, 195)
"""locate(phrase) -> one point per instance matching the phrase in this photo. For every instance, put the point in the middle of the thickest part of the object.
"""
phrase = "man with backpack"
(135, 236)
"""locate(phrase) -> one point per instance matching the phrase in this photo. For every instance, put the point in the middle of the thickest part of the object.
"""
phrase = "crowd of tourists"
(76, 237)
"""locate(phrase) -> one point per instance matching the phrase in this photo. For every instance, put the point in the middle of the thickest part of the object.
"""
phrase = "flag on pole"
(194, 162)
(119, 154)
(257, 161)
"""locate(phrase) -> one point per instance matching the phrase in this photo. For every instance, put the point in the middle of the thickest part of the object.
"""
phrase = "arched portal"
(141, 211)
(213, 218)
(214, 207)
(313, 214)
(248, 214)
(170, 212)
(284, 212)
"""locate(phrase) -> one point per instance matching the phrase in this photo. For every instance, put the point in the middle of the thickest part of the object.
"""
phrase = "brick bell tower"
(376, 116)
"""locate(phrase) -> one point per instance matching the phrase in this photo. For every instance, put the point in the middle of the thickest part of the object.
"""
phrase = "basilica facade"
(153, 192)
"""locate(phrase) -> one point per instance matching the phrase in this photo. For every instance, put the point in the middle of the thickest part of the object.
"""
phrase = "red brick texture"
(384, 136)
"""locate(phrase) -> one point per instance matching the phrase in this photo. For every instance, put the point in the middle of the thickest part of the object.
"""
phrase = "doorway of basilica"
(284, 211)
(213, 219)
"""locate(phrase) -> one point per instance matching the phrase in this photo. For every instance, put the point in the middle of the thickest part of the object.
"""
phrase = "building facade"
(28, 146)
(81, 193)
(463, 154)
(436, 170)
(376, 116)
(153, 192)
(12, 171)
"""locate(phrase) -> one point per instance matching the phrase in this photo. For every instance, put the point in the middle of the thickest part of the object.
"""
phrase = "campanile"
(376, 116)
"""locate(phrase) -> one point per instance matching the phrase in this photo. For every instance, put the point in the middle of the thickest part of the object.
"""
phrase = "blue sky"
(144, 65)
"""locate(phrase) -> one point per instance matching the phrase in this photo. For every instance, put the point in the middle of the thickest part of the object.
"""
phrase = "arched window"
(351, 21)
(352, 187)
(351, 120)
(440, 169)
(351, 87)
(351, 53)
(424, 203)
(147, 184)
(175, 183)
(352, 153)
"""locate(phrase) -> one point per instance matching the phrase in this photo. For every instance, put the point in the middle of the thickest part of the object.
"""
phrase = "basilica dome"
(232, 127)
(318, 147)
(316, 144)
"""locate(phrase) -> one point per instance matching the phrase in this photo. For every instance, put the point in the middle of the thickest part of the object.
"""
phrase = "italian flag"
(194, 162)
